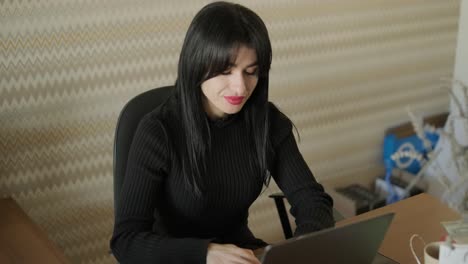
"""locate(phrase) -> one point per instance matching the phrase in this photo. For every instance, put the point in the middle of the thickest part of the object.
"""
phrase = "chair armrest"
(283, 215)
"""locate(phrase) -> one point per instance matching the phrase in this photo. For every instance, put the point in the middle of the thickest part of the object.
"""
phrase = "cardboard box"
(354, 199)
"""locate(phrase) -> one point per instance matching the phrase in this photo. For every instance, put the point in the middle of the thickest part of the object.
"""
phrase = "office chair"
(127, 124)
(283, 215)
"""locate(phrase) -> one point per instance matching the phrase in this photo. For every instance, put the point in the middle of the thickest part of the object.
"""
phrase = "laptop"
(353, 243)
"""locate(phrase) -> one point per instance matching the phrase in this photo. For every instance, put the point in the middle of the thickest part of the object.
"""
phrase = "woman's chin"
(233, 109)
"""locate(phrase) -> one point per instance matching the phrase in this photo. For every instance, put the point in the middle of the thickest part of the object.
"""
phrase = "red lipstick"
(234, 100)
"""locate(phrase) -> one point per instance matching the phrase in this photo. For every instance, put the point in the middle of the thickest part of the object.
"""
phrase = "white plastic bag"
(453, 253)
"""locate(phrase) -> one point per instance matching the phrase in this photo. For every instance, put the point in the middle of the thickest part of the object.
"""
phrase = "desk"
(21, 240)
(420, 214)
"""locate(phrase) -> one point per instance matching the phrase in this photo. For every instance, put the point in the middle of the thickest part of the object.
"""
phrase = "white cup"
(431, 251)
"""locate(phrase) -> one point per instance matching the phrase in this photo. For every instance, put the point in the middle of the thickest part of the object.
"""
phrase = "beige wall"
(461, 59)
(342, 70)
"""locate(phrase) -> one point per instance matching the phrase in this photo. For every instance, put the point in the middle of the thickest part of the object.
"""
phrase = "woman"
(200, 160)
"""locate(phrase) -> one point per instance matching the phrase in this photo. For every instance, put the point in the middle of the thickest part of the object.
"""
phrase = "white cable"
(411, 246)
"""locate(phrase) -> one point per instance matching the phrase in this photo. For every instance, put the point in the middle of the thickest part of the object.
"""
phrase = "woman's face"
(227, 93)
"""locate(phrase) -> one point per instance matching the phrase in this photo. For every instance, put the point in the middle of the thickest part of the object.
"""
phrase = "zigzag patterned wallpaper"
(342, 70)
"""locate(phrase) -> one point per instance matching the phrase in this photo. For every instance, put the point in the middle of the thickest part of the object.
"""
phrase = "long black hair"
(212, 40)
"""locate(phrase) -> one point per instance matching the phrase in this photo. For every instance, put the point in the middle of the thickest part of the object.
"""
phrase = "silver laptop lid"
(354, 243)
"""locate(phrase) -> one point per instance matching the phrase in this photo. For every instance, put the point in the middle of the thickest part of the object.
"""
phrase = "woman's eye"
(254, 72)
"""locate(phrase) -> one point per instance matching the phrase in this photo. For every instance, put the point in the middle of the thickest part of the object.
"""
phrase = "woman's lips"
(234, 100)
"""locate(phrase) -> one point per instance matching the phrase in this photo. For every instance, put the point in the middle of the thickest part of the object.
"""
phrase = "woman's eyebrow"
(248, 66)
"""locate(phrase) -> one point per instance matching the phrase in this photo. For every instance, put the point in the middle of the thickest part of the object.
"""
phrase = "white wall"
(461, 59)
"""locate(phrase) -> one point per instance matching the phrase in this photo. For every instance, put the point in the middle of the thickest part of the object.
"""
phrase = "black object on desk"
(364, 198)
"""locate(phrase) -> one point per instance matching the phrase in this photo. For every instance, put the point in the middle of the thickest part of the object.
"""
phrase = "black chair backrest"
(127, 124)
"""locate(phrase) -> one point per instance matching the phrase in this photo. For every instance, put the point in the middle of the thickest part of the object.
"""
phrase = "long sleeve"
(134, 239)
(310, 205)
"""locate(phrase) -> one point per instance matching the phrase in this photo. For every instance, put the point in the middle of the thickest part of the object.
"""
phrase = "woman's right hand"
(228, 253)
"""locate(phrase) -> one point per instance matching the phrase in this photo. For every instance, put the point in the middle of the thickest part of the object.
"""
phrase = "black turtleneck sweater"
(160, 220)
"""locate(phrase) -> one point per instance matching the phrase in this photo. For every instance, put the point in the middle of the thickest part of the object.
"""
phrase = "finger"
(243, 253)
(248, 255)
(236, 259)
(238, 255)
(241, 260)
(253, 260)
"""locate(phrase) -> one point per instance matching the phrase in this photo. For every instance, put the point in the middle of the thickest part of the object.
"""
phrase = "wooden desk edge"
(395, 208)
(17, 212)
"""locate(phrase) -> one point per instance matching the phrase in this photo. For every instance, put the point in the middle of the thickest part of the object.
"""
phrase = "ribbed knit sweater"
(160, 220)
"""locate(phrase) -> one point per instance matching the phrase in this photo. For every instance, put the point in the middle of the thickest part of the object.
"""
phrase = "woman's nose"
(238, 83)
